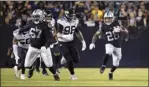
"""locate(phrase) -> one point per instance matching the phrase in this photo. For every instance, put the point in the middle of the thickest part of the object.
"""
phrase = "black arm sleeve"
(78, 28)
(59, 28)
(25, 28)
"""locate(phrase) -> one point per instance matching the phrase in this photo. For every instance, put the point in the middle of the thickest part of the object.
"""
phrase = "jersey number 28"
(111, 35)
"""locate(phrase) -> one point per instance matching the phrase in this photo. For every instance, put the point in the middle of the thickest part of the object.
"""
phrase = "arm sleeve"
(59, 28)
(25, 28)
(78, 28)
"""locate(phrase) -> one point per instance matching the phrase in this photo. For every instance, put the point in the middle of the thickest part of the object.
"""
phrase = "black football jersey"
(110, 35)
(40, 34)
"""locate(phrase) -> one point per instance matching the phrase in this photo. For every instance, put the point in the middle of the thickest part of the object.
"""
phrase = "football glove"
(92, 45)
(83, 45)
(117, 29)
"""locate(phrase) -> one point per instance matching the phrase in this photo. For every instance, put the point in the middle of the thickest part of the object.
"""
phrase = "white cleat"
(23, 76)
(73, 77)
(16, 71)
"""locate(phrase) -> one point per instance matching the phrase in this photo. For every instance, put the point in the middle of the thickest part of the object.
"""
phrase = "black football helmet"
(48, 15)
(70, 14)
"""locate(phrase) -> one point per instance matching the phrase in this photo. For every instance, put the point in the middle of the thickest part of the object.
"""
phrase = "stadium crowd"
(133, 14)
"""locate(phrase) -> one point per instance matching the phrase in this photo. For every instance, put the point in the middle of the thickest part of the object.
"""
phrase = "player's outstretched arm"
(25, 28)
(95, 37)
(81, 38)
(15, 48)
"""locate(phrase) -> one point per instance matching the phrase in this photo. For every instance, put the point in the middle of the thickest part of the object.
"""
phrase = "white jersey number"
(69, 30)
(35, 32)
(111, 35)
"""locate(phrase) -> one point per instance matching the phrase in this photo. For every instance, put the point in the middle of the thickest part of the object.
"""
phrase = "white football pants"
(33, 53)
(115, 52)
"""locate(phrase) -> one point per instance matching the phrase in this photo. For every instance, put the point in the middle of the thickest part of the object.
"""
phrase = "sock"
(57, 61)
(113, 69)
(53, 70)
(43, 66)
(70, 67)
(105, 59)
(23, 70)
(37, 63)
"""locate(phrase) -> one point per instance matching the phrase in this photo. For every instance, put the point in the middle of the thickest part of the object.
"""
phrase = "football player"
(41, 38)
(20, 47)
(111, 30)
(67, 27)
(54, 48)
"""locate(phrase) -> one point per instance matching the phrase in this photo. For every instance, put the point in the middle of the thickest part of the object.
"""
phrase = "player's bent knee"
(116, 63)
(49, 64)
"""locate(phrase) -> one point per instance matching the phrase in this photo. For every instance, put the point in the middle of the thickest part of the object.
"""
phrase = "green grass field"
(86, 77)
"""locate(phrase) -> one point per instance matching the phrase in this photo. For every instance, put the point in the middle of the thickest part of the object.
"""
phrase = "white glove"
(92, 45)
(43, 49)
(117, 29)
(52, 45)
(83, 45)
(63, 60)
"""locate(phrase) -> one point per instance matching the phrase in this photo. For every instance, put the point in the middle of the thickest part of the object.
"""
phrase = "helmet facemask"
(37, 16)
(70, 14)
(108, 18)
(48, 17)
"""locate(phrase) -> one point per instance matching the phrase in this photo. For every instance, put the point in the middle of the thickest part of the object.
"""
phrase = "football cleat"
(23, 76)
(102, 69)
(16, 71)
(30, 73)
(73, 77)
(110, 76)
(56, 77)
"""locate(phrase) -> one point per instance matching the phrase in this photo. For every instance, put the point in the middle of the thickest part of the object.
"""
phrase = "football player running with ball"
(111, 30)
